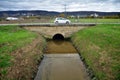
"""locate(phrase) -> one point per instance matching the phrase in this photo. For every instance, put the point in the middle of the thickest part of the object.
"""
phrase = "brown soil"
(26, 21)
(25, 61)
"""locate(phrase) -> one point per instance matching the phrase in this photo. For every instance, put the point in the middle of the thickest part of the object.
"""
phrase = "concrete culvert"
(58, 37)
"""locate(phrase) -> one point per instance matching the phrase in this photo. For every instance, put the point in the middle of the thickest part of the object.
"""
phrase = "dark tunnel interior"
(58, 37)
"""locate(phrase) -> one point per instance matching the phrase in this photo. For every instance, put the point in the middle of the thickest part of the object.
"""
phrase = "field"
(51, 20)
(95, 20)
(12, 55)
(100, 47)
(26, 21)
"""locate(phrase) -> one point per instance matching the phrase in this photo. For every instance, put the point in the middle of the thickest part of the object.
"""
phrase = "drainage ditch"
(61, 61)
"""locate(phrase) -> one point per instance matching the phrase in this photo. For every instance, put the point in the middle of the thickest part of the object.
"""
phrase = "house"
(94, 15)
(11, 18)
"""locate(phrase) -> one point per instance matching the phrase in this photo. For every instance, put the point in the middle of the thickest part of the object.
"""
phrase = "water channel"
(60, 46)
(61, 62)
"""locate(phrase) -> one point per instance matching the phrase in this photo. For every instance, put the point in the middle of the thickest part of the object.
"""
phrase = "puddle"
(60, 46)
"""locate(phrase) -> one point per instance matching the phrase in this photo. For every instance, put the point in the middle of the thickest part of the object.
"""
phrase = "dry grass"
(20, 51)
(100, 47)
(25, 61)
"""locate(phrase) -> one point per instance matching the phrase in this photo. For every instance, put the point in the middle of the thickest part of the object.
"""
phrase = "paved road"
(61, 67)
(49, 24)
(52, 24)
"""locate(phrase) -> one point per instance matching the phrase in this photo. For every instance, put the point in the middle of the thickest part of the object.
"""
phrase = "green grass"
(92, 20)
(96, 20)
(100, 46)
(12, 38)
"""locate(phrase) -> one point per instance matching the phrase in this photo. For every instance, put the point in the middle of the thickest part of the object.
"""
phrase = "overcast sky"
(58, 5)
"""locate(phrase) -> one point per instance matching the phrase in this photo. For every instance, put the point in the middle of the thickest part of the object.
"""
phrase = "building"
(11, 18)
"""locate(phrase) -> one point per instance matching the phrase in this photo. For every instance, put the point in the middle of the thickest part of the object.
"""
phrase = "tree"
(62, 15)
(118, 15)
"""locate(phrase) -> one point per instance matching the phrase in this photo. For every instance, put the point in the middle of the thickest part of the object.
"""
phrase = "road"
(61, 67)
(49, 24)
(52, 24)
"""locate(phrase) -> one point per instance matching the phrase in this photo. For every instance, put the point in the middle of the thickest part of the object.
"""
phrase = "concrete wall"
(49, 32)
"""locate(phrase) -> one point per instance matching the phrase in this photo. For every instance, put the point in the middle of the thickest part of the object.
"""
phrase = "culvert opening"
(60, 45)
(58, 37)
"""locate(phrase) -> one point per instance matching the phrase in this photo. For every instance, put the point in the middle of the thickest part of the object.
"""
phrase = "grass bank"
(16, 52)
(100, 47)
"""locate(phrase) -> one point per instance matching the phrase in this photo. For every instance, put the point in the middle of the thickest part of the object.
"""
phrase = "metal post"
(65, 10)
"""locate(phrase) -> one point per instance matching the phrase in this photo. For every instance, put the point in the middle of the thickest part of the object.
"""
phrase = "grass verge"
(100, 46)
(11, 39)
(96, 20)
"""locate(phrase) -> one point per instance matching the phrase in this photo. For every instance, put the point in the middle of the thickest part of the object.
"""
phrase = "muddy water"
(60, 47)
(61, 62)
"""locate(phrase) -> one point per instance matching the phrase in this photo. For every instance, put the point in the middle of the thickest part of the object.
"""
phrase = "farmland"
(73, 20)
(96, 20)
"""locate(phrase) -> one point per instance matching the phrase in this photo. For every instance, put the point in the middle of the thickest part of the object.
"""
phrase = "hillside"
(52, 13)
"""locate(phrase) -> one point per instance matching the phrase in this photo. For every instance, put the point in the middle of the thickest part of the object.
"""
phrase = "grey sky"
(58, 5)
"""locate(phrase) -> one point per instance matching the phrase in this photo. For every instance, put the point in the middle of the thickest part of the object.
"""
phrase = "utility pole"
(65, 11)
